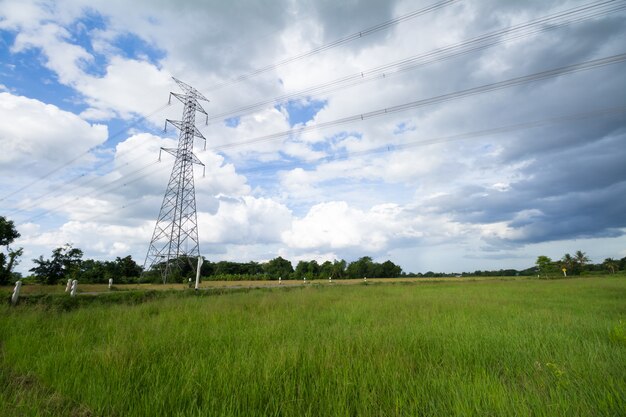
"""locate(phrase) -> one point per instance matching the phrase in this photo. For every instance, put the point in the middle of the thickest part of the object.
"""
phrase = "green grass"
(483, 348)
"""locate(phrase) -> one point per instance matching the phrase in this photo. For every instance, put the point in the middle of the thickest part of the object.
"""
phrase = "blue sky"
(486, 181)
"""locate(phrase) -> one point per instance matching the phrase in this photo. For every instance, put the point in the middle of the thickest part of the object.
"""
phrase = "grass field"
(483, 348)
(31, 289)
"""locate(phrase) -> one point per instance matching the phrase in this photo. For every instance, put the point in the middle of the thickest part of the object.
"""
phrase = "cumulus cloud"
(417, 179)
(336, 226)
(244, 220)
(128, 86)
(33, 133)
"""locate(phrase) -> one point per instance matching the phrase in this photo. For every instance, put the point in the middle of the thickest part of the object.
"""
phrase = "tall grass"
(540, 348)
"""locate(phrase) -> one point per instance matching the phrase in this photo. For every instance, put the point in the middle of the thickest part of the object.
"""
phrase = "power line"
(76, 158)
(449, 138)
(336, 43)
(96, 191)
(549, 22)
(582, 66)
(60, 190)
(586, 65)
(63, 190)
(572, 117)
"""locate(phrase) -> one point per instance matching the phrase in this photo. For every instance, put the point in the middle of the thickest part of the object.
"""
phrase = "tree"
(121, 270)
(313, 270)
(326, 269)
(229, 268)
(252, 268)
(581, 259)
(568, 263)
(544, 265)
(65, 263)
(127, 267)
(611, 265)
(207, 269)
(622, 263)
(339, 269)
(93, 271)
(389, 270)
(8, 234)
(278, 267)
(301, 270)
(362, 268)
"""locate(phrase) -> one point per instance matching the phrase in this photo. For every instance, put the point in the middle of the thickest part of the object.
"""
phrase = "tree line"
(577, 264)
(278, 268)
(67, 262)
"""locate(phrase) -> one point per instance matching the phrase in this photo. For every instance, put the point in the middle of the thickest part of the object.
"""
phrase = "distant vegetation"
(8, 257)
(67, 262)
(579, 264)
(282, 268)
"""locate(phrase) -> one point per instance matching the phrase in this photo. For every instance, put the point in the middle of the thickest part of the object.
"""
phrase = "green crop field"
(451, 348)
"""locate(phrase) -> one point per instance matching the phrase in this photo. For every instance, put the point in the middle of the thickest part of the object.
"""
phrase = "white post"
(73, 290)
(280, 280)
(305, 280)
(364, 278)
(68, 287)
(330, 279)
(110, 282)
(200, 261)
(16, 292)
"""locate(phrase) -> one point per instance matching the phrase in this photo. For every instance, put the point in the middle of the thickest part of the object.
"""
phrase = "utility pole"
(176, 231)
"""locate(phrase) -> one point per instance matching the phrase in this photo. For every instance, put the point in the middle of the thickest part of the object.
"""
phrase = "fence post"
(73, 290)
(68, 287)
(200, 261)
(16, 292)
(110, 282)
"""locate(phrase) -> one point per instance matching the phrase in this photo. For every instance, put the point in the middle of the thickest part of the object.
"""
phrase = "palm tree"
(610, 264)
(581, 259)
(568, 262)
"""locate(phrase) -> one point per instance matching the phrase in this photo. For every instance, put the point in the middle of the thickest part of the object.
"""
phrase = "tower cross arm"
(195, 159)
(171, 151)
(183, 99)
(190, 156)
(189, 89)
(181, 125)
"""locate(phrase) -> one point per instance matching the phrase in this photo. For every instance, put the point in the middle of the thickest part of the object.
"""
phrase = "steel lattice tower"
(176, 231)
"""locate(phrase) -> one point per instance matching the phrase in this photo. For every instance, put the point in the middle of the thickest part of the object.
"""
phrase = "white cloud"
(62, 57)
(460, 194)
(245, 220)
(21, 14)
(39, 135)
(129, 86)
(335, 225)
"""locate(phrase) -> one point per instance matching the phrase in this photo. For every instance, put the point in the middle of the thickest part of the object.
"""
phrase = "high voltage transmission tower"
(176, 231)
